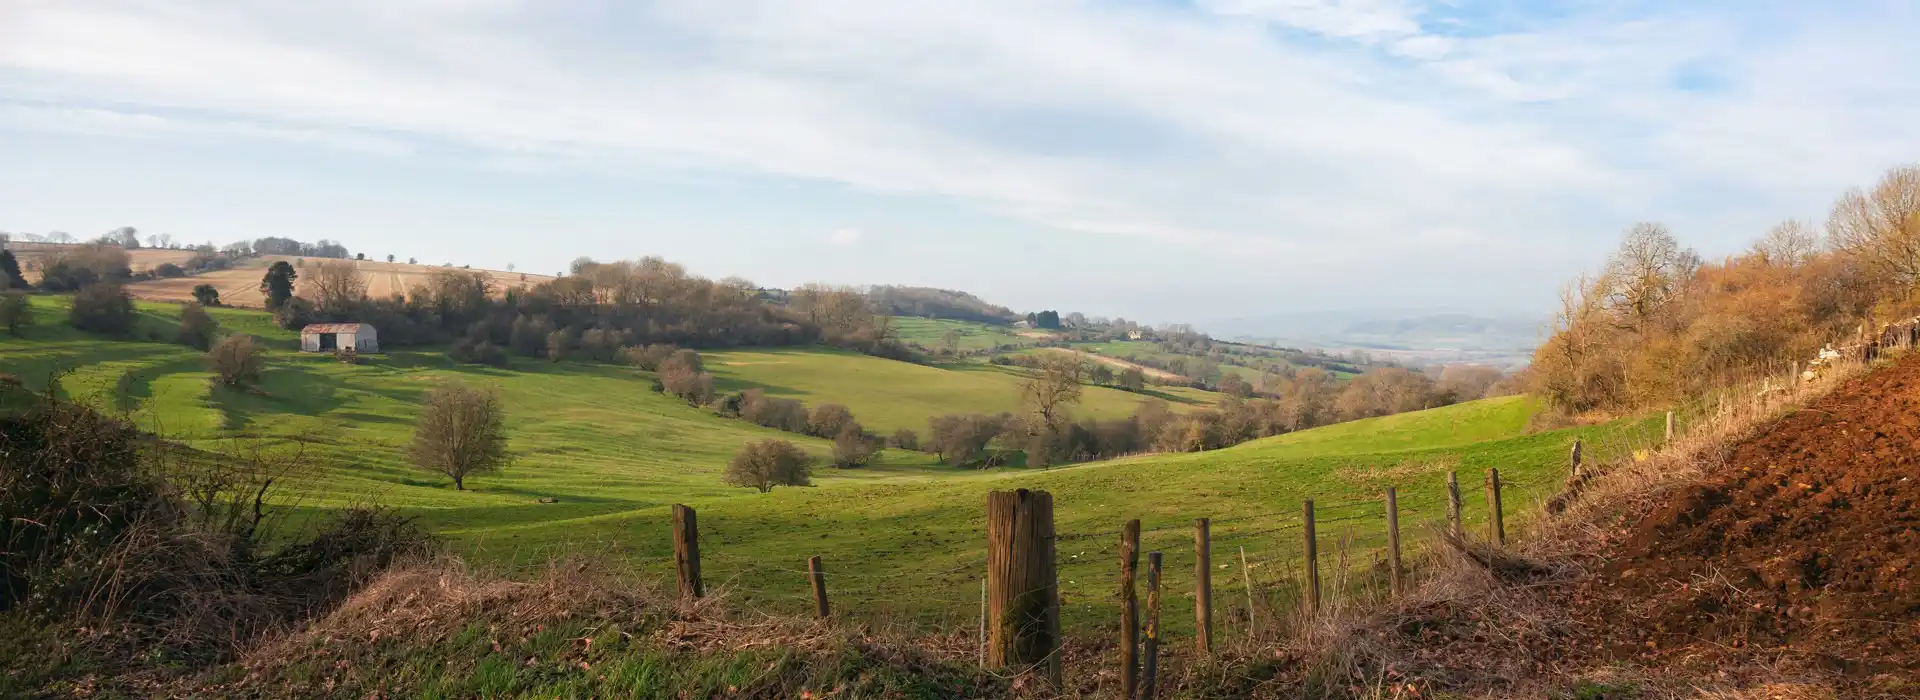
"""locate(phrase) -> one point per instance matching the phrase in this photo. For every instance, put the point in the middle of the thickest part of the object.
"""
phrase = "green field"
(1145, 350)
(902, 539)
(887, 395)
(929, 333)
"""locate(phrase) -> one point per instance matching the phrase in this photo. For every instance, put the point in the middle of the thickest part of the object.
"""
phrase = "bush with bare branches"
(461, 433)
(236, 360)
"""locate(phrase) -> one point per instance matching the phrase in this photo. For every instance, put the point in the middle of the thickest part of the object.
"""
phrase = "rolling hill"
(903, 536)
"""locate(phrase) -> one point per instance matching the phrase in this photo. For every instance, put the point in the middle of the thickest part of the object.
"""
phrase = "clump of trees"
(206, 295)
(84, 266)
(102, 307)
(765, 464)
(461, 433)
(10, 275)
(1657, 324)
(929, 302)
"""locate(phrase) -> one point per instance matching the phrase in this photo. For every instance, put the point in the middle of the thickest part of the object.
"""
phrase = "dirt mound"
(1804, 545)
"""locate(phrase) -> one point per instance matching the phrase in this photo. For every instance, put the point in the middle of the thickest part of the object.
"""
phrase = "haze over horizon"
(1161, 160)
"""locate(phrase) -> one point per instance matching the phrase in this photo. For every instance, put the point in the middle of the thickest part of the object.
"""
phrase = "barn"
(330, 337)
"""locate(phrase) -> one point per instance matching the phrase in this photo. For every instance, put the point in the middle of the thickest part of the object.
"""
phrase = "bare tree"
(1881, 229)
(336, 286)
(1790, 243)
(461, 433)
(1646, 274)
(1050, 394)
(768, 463)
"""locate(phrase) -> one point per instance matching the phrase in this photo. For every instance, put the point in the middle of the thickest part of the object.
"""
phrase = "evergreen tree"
(278, 284)
(10, 271)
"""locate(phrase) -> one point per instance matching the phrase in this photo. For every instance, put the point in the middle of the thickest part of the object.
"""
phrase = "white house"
(329, 337)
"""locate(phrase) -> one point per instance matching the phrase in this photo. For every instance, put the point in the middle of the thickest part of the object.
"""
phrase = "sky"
(1162, 160)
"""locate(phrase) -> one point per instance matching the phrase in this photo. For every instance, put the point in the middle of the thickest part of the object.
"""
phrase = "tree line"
(1657, 323)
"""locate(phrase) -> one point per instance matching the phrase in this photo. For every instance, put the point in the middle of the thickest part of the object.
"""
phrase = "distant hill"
(930, 302)
(1411, 336)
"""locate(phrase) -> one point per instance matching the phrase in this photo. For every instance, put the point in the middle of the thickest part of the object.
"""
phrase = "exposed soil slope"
(1805, 544)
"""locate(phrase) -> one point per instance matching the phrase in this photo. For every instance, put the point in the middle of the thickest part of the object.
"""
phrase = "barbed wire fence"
(1222, 579)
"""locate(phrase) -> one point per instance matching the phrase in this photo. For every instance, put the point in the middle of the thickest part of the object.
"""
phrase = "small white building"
(330, 337)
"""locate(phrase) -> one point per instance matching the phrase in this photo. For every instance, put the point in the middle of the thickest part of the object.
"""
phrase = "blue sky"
(1166, 160)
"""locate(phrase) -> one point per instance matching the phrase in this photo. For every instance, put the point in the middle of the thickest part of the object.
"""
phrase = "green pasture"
(902, 540)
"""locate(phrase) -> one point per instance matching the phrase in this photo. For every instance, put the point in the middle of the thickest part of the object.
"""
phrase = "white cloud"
(845, 238)
(1376, 136)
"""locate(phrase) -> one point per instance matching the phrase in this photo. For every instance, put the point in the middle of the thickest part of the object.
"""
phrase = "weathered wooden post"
(1150, 664)
(1202, 586)
(1393, 540)
(1669, 426)
(1129, 609)
(686, 552)
(1312, 557)
(1023, 596)
(1453, 505)
(819, 576)
(1575, 458)
(1246, 579)
(1496, 525)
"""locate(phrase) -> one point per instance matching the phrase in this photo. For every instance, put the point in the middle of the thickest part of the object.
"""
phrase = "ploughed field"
(240, 285)
(902, 539)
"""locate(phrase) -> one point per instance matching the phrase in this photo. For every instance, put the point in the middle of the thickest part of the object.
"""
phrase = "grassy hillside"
(902, 539)
(928, 332)
(887, 395)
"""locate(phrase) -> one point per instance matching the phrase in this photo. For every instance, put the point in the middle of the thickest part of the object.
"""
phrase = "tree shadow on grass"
(283, 389)
(135, 386)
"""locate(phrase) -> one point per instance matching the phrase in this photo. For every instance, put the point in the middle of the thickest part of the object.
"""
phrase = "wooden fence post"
(1150, 665)
(1453, 504)
(1023, 595)
(1669, 426)
(1393, 540)
(1129, 609)
(1496, 526)
(1246, 579)
(1202, 586)
(819, 576)
(686, 552)
(1312, 556)
(1575, 458)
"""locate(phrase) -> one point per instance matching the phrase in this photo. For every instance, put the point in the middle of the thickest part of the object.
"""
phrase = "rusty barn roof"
(332, 328)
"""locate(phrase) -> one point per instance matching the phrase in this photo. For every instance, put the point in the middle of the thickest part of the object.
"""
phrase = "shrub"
(236, 360)
(167, 270)
(461, 433)
(15, 312)
(84, 266)
(854, 448)
(196, 327)
(102, 308)
(829, 420)
(650, 357)
(768, 463)
(294, 314)
(904, 439)
(557, 343)
(695, 387)
(206, 295)
(477, 352)
(683, 360)
(780, 414)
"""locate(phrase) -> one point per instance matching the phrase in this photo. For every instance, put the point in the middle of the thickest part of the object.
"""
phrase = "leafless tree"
(461, 433)
(1789, 243)
(1054, 388)
(1881, 228)
(335, 286)
(1646, 274)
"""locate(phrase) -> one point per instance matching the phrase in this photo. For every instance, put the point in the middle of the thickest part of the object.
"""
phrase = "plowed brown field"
(1805, 544)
